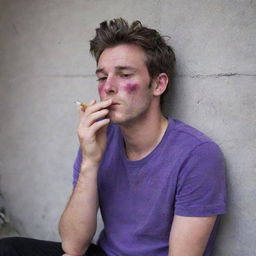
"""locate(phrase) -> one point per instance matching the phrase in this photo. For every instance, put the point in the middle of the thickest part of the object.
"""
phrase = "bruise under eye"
(131, 87)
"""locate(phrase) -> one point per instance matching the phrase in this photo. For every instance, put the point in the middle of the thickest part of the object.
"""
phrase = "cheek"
(131, 88)
(101, 89)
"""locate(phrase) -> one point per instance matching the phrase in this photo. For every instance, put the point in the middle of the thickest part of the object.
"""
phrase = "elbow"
(72, 245)
(73, 240)
(77, 249)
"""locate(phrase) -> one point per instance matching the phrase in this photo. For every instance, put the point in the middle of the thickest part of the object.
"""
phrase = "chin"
(117, 119)
(122, 121)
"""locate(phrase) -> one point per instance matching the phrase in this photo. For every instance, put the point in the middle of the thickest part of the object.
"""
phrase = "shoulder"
(191, 146)
(201, 184)
(190, 138)
(203, 157)
(188, 132)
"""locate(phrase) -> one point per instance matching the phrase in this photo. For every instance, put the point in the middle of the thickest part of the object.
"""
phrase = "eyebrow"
(118, 68)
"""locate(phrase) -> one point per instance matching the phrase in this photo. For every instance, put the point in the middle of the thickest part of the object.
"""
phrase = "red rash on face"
(100, 89)
(131, 87)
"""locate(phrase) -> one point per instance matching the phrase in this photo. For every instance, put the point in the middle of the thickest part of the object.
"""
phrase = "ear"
(160, 84)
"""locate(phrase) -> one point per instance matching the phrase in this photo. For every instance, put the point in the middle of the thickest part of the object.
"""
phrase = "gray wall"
(45, 66)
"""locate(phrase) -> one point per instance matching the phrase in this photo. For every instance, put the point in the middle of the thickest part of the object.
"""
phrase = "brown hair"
(160, 56)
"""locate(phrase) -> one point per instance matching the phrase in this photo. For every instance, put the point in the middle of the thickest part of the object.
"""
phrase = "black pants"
(19, 246)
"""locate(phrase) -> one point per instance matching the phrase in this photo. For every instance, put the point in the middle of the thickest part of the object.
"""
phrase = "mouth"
(113, 105)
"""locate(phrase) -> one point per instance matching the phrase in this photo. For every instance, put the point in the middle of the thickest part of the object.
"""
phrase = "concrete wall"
(45, 66)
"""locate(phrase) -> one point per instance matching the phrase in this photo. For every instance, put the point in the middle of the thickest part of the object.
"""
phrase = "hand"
(92, 130)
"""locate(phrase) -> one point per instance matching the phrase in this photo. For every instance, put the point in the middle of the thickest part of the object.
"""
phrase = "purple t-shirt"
(183, 175)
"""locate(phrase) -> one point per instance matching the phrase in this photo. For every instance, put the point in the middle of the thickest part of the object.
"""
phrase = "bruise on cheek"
(100, 89)
(131, 87)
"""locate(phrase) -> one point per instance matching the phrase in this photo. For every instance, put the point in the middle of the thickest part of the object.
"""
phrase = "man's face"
(124, 78)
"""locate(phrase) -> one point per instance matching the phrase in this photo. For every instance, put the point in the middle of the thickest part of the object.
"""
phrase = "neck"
(142, 136)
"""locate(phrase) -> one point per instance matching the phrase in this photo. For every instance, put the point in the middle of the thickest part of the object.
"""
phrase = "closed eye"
(101, 79)
(125, 75)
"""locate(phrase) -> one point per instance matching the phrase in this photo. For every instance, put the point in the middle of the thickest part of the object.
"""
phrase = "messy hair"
(160, 57)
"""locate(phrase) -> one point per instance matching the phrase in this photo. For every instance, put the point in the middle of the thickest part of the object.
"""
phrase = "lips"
(113, 105)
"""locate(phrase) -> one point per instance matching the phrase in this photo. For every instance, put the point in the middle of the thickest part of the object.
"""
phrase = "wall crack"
(218, 75)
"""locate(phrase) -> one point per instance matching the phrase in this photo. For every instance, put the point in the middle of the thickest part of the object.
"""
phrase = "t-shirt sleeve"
(76, 167)
(201, 188)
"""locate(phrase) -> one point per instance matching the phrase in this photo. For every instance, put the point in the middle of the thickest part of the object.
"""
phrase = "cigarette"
(80, 104)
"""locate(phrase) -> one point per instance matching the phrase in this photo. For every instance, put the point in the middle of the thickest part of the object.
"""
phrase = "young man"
(159, 183)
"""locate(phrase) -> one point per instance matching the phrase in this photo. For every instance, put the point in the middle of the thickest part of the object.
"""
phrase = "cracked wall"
(45, 66)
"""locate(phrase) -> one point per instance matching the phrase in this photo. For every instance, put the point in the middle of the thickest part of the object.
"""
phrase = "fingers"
(99, 124)
(98, 106)
(94, 112)
(93, 119)
(84, 106)
(96, 116)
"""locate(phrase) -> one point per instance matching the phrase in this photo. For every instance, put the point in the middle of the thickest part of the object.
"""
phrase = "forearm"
(79, 220)
(189, 235)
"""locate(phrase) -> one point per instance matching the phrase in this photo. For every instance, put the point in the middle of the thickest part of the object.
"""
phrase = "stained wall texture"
(45, 66)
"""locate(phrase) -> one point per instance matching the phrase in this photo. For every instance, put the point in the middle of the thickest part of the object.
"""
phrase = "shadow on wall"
(169, 97)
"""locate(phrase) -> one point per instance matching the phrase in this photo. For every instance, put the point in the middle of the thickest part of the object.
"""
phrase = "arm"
(201, 191)
(77, 225)
(189, 235)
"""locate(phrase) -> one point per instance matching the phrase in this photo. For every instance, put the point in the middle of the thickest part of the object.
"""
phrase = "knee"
(7, 246)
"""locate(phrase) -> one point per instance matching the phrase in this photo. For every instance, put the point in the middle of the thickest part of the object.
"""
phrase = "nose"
(110, 86)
